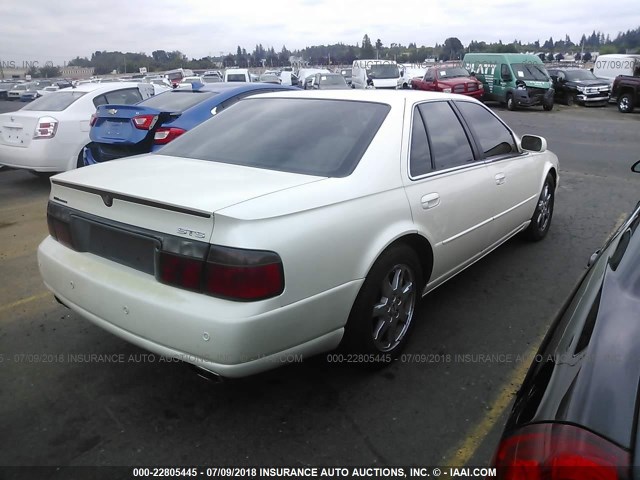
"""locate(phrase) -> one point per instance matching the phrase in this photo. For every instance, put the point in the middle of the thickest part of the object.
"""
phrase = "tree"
(452, 49)
(49, 72)
(366, 51)
(33, 72)
(378, 45)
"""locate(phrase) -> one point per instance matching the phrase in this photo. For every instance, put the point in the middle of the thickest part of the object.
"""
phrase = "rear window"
(310, 136)
(54, 102)
(177, 100)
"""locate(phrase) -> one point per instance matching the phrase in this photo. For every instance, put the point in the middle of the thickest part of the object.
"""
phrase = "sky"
(44, 30)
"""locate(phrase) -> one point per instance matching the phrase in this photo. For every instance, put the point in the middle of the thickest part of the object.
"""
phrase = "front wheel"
(625, 103)
(382, 315)
(541, 218)
(548, 107)
(511, 103)
(569, 99)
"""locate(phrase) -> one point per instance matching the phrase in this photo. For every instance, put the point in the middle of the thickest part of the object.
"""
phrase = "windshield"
(236, 77)
(383, 71)
(530, 71)
(55, 102)
(580, 75)
(177, 100)
(453, 72)
(318, 137)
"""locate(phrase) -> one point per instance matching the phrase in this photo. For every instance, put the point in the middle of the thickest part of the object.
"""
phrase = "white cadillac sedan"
(258, 238)
(50, 133)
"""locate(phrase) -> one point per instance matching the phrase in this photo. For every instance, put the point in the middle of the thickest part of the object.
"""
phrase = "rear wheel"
(511, 103)
(382, 315)
(625, 103)
(541, 219)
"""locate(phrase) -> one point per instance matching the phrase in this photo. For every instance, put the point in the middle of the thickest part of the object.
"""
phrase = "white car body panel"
(327, 231)
(18, 148)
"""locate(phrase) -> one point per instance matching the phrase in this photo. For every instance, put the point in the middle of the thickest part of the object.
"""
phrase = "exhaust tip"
(206, 374)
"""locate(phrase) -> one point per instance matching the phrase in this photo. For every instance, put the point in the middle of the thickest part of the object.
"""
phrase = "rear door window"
(420, 157)
(449, 143)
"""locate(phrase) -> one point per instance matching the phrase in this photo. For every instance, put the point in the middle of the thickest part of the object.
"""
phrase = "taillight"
(232, 273)
(144, 122)
(93, 119)
(60, 230)
(46, 128)
(243, 274)
(180, 270)
(559, 452)
(164, 135)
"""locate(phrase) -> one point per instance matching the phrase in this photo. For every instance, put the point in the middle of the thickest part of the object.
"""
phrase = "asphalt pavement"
(443, 403)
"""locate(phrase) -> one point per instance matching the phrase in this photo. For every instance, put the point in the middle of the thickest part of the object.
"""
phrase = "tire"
(625, 103)
(569, 99)
(511, 103)
(80, 161)
(547, 108)
(541, 218)
(383, 312)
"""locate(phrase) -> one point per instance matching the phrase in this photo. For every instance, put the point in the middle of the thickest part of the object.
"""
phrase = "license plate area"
(121, 246)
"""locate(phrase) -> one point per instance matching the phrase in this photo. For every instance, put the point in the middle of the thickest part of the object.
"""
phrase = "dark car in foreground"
(123, 130)
(576, 85)
(576, 414)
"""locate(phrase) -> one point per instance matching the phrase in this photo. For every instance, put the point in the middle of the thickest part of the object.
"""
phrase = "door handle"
(430, 200)
(500, 178)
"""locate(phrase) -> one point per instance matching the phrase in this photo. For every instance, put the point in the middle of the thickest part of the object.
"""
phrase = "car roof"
(102, 87)
(391, 97)
(230, 87)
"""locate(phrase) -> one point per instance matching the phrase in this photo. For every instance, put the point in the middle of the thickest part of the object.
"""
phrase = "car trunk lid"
(177, 194)
(17, 128)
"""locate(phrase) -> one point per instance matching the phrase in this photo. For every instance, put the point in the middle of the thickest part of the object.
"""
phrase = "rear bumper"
(42, 155)
(231, 339)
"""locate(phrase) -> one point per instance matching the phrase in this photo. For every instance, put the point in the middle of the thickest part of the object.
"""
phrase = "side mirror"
(636, 167)
(533, 143)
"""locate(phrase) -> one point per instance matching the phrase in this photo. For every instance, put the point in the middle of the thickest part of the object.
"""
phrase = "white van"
(609, 67)
(305, 74)
(237, 75)
(375, 74)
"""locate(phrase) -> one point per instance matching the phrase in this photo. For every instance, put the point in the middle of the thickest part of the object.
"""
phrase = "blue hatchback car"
(123, 130)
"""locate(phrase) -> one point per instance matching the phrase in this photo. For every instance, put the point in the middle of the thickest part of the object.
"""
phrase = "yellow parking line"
(463, 453)
(32, 298)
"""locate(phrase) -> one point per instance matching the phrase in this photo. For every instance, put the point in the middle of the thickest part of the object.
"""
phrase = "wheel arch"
(419, 244)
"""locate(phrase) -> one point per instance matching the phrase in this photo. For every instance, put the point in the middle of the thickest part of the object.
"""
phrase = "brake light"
(559, 452)
(232, 273)
(166, 134)
(46, 128)
(93, 119)
(144, 122)
(243, 274)
(60, 230)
